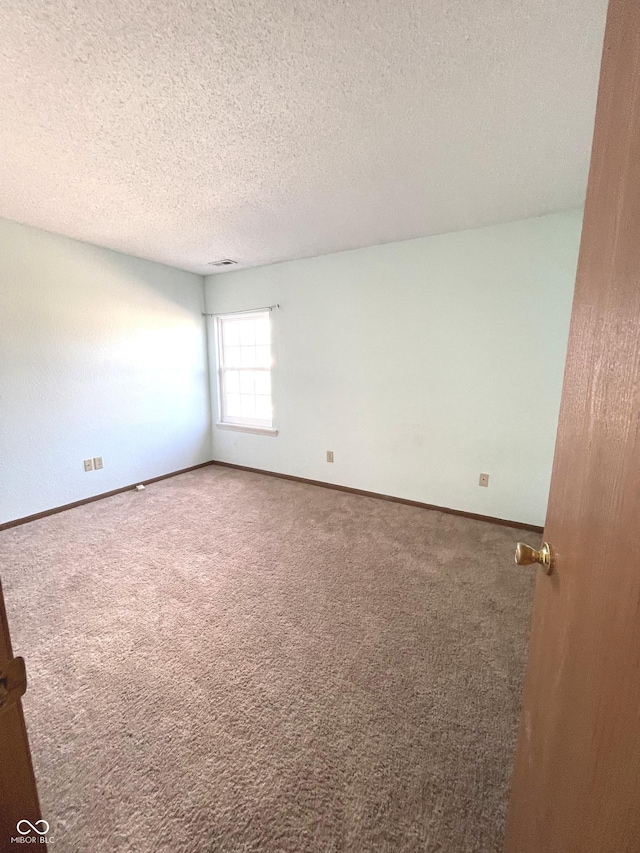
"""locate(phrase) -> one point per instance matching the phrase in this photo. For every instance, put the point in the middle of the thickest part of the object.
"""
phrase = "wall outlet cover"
(88, 464)
(484, 480)
(97, 463)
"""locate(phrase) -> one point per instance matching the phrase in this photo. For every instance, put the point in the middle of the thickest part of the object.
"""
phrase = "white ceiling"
(263, 130)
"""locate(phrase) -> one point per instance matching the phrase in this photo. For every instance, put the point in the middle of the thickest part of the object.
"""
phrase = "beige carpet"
(232, 662)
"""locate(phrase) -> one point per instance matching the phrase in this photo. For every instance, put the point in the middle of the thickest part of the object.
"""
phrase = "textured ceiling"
(262, 130)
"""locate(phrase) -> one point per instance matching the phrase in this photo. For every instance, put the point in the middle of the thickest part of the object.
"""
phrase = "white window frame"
(255, 425)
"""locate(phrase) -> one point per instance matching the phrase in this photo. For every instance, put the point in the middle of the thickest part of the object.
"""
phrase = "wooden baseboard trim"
(7, 524)
(477, 517)
(488, 518)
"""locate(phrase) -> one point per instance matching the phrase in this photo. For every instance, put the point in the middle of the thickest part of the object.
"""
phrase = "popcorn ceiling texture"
(231, 663)
(262, 130)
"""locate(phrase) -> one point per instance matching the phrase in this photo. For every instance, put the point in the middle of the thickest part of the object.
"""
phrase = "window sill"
(245, 428)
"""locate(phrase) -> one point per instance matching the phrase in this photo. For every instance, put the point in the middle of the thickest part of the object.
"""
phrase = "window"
(244, 370)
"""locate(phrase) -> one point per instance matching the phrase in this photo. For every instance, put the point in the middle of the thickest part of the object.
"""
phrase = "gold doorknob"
(527, 556)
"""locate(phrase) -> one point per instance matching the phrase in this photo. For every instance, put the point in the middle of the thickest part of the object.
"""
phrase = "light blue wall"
(101, 354)
(420, 364)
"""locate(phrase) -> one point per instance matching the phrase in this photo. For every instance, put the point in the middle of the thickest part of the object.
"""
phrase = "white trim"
(242, 428)
(243, 424)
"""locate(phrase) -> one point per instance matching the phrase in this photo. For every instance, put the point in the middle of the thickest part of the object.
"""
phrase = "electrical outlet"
(484, 480)
(329, 455)
(97, 463)
(88, 464)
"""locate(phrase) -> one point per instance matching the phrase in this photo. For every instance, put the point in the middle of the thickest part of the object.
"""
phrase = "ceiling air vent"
(225, 262)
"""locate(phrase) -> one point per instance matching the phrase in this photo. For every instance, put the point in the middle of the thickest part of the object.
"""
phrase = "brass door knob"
(527, 556)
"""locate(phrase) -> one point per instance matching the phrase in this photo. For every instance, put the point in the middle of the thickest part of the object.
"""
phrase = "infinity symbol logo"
(32, 828)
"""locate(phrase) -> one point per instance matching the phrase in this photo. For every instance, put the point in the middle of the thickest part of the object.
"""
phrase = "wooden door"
(576, 785)
(18, 795)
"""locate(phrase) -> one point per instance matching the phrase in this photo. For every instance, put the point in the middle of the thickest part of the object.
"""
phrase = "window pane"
(247, 356)
(247, 405)
(263, 408)
(263, 332)
(245, 344)
(263, 356)
(232, 381)
(263, 382)
(232, 357)
(233, 409)
(248, 332)
(231, 333)
(247, 383)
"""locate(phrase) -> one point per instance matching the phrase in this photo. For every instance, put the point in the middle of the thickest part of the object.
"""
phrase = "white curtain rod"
(246, 311)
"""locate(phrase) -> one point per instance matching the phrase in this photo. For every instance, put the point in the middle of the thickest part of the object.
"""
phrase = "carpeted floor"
(231, 662)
